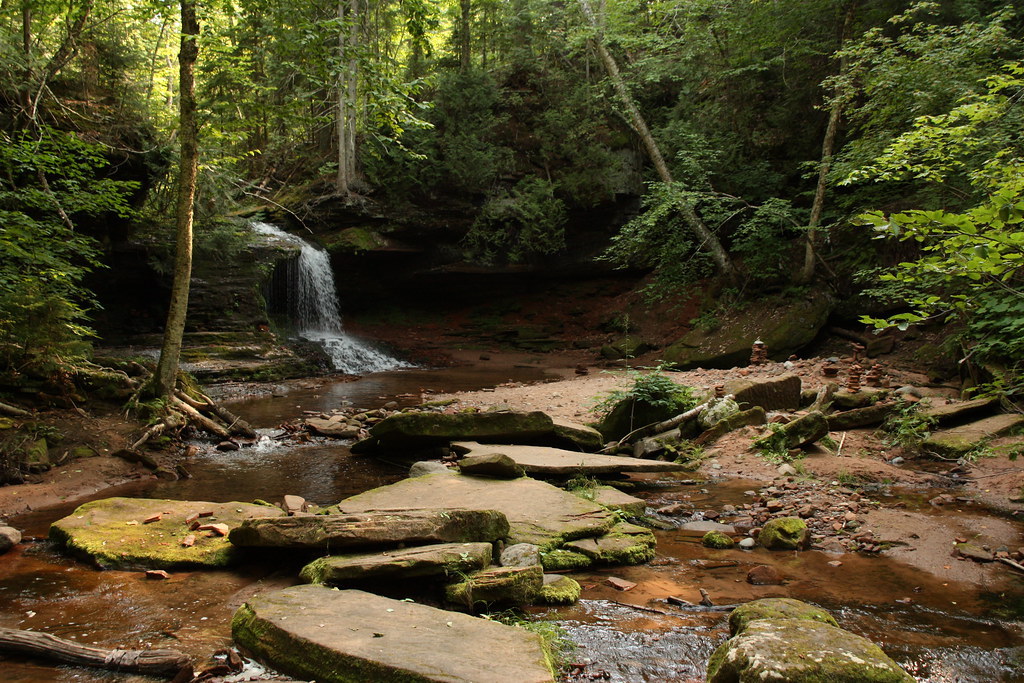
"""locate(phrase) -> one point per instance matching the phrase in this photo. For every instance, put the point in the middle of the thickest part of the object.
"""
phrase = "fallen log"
(235, 424)
(13, 410)
(200, 419)
(46, 646)
(663, 426)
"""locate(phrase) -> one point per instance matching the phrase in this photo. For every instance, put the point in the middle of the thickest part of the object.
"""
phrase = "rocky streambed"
(881, 534)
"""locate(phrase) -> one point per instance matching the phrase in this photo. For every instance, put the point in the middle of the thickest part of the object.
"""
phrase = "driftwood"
(13, 410)
(234, 424)
(46, 646)
(690, 607)
(201, 420)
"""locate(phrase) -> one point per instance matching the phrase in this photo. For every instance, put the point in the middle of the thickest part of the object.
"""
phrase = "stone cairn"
(829, 369)
(758, 353)
(853, 381)
(873, 377)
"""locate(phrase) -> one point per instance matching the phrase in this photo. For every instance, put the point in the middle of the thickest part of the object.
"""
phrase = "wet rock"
(971, 551)
(776, 393)
(717, 540)
(109, 532)
(424, 467)
(9, 537)
(520, 555)
(293, 505)
(537, 512)
(701, 528)
(497, 586)
(620, 584)
(764, 575)
(335, 426)
(559, 590)
(442, 559)
(784, 533)
(800, 651)
(297, 631)
(747, 543)
(377, 529)
(497, 465)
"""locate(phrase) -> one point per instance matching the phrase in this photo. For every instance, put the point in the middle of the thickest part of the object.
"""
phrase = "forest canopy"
(735, 138)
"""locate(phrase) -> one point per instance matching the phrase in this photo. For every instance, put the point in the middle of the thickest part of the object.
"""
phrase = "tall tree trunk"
(705, 238)
(341, 124)
(806, 273)
(167, 368)
(464, 37)
(352, 77)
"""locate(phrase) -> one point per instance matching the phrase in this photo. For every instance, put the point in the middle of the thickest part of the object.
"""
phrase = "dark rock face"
(784, 329)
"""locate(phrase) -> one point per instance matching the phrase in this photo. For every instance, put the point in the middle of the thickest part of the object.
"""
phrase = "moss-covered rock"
(559, 590)
(629, 346)
(776, 608)
(581, 437)
(630, 413)
(718, 540)
(497, 586)
(562, 560)
(114, 532)
(625, 544)
(784, 326)
(804, 430)
(801, 651)
(784, 533)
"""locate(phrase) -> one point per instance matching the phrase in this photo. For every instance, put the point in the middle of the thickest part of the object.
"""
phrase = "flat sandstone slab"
(317, 633)
(957, 441)
(397, 526)
(545, 461)
(537, 512)
(115, 533)
(441, 559)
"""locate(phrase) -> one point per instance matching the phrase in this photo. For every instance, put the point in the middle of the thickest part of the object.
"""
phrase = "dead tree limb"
(13, 410)
(236, 425)
(46, 646)
(664, 425)
(200, 419)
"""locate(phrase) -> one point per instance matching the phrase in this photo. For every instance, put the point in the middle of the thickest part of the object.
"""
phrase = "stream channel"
(939, 631)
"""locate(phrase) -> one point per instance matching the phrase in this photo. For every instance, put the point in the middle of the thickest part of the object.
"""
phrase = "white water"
(314, 306)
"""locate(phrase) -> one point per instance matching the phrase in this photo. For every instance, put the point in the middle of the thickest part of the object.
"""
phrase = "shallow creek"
(940, 631)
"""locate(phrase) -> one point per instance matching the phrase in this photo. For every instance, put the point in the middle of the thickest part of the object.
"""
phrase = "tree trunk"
(167, 368)
(341, 125)
(806, 273)
(705, 238)
(352, 76)
(464, 37)
(36, 644)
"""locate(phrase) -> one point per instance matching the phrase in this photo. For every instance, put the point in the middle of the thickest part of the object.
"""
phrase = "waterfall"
(312, 305)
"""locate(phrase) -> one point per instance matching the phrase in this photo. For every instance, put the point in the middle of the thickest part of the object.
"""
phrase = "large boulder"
(784, 326)
(631, 413)
(801, 651)
(773, 393)
(412, 431)
(776, 608)
(332, 636)
(958, 441)
(441, 559)
(537, 512)
(156, 534)
(374, 529)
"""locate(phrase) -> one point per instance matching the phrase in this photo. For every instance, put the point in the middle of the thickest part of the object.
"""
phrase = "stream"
(939, 631)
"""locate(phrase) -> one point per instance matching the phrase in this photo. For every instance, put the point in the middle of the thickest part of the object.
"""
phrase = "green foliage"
(906, 426)
(582, 486)
(515, 225)
(773, 446)
(46, 181)
(653, 388)
(764, 240)
(969, 268)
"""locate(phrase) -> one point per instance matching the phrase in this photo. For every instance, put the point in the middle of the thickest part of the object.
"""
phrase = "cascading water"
(313, 308)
